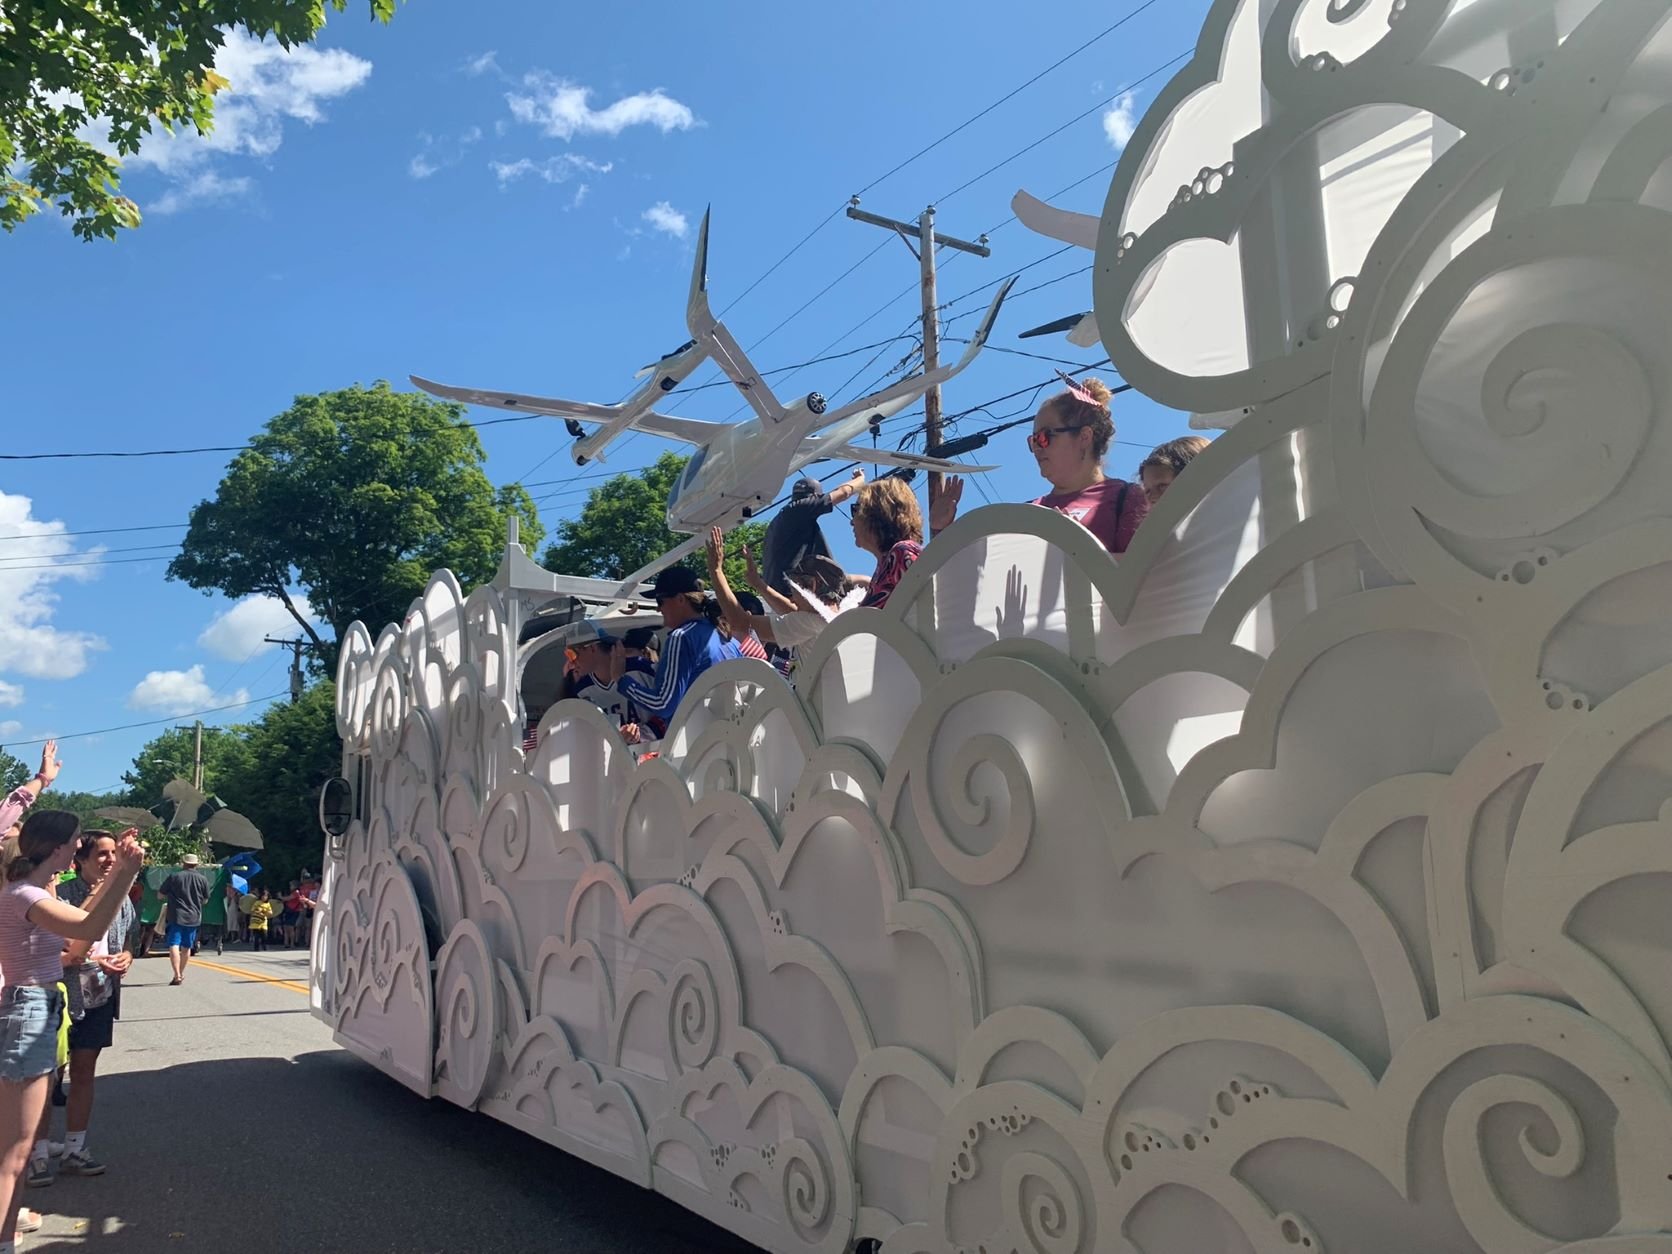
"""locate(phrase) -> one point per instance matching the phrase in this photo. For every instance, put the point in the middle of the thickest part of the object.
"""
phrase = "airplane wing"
(723, 350)
(852, 419)
(1053, 223)
(686, 430)
(583, 410)
(894, 457)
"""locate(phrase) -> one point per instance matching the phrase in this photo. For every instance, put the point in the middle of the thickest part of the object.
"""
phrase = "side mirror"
(336, 807)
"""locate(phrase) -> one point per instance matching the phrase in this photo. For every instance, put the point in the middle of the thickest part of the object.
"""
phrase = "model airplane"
(737, 468)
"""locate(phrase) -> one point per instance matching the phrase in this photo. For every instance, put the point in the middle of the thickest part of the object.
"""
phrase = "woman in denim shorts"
(33, 928)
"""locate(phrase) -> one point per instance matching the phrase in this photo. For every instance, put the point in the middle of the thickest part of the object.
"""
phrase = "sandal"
(28, 1220)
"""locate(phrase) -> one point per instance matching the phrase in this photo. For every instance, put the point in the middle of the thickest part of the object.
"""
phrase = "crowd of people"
(63, 953)
(69, 927)
(798, 587)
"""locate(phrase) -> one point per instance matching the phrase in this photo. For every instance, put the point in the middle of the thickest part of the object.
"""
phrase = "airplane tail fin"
(698, 318)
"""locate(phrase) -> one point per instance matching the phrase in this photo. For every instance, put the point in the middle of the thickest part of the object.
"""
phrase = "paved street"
(232, 1124)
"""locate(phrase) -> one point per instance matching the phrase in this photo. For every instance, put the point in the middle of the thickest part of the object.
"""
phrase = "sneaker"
(39, 1174)
(81, 1163)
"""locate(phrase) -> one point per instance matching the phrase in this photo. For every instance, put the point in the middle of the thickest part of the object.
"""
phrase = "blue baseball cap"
(589, 632)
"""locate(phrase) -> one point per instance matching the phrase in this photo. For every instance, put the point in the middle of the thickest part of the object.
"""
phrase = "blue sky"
(505, 195)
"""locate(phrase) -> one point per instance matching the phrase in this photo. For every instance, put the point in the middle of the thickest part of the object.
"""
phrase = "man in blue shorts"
(185, 891)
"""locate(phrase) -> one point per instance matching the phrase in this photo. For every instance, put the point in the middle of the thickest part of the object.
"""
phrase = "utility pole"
(295, 646)
(927, 242)
(197, 757)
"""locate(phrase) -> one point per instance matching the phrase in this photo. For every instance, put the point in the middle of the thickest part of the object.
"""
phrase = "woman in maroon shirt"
(1071, 436)
(888, 526)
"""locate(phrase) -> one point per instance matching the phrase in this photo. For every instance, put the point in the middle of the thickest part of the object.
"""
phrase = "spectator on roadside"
(33, 927)
(184, 892)
(794, 533)
(1071, 435)
(1165, 463)
(291, 916)
(694, 643)
(26, 793)
(93, 973)
(261, 914)
(888, 525)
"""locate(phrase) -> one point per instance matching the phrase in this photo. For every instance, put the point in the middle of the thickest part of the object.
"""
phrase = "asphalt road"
(231, 1124)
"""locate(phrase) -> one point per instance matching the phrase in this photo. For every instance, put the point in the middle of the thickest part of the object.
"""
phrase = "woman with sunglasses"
(1070, 437)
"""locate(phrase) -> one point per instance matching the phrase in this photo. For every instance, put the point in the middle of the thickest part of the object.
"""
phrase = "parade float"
(1297, 884)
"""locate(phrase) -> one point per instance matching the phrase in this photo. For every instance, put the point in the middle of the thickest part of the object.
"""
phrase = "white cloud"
(561, 109)
(29, 643)
(664, 217)
(236, 634)
(473, 135)
(1121, 120)
(180, 692)
(558, 169)
(199, 189)
(267, 86)
(483, 64)
(10, 694)
(421, 167)
(10, 727)
(580, 195)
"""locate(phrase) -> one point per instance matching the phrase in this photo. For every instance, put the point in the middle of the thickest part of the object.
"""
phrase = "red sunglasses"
(1041, 439)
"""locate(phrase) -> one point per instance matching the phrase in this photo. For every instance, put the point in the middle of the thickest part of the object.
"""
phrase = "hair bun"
(1098, 390)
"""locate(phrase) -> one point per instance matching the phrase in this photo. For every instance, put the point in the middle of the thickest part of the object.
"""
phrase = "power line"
(102, 731)
(92, 531)
(1049, 135)
(967, 122)
(219, 448)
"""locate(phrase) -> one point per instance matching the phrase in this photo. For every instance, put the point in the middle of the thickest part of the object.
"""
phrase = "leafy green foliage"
(83, 805)
(13, 771)
(355, 496)
(70, 69)
(166, 848)
(270, 771)
(169, 756)
(623, 527)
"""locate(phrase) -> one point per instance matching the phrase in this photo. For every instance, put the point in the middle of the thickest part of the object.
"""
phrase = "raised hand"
(130, 855)
(50, 765)
(944, 508)
(716, 550)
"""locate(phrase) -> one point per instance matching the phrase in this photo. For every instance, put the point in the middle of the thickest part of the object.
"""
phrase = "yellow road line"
(292, 985)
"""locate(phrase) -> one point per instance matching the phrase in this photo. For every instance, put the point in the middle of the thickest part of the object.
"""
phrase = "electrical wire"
(103, 731)
(1013, 92)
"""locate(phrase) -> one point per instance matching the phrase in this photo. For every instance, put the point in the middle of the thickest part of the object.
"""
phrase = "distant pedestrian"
(261, 914)
(185, 893)
(33, 927)
(290, 918)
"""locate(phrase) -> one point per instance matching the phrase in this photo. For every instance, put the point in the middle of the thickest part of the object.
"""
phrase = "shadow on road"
(326, 1153)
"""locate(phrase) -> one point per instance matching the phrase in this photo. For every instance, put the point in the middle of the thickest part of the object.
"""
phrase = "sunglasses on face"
(1041, 439)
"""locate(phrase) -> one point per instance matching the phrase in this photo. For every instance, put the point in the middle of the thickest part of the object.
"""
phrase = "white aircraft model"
(737, 468)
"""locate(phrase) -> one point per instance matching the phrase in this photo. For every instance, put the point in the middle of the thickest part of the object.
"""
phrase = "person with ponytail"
(1071, 435)
(33, 928)
(694, 643)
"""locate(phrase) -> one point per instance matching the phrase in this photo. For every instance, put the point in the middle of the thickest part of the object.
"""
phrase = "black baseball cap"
(673, 581)
(804, 488)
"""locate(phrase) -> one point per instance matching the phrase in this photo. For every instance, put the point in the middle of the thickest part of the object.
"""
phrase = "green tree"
(623, 527)
(356, 497)
(13, 772)
(270, 771)
(75, 71)
(168, 756)
(290, 751)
